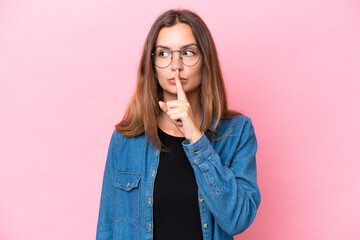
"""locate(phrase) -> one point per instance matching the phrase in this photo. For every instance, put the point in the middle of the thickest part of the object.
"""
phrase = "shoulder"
(119, 140)
(236, 120)
(236, 124)
(240, 131)
(235, 129)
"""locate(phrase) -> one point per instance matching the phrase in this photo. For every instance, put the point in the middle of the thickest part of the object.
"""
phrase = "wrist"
(196, 137)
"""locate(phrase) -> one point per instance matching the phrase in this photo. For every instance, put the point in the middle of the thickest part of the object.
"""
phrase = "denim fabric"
(225, 172)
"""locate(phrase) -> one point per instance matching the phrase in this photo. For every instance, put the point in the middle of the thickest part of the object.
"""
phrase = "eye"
(163, 53)
(189, 52)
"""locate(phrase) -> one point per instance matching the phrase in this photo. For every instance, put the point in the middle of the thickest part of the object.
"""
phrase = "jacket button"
(153, 173)
(149, 200)
(128, 184)
(149, 226)
(205, 225)
(201, 200)
(197, 152)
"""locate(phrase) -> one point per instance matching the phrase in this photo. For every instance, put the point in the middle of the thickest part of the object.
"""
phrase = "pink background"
(68, 68)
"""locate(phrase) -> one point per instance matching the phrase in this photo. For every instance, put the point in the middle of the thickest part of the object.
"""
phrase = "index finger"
(180, 90)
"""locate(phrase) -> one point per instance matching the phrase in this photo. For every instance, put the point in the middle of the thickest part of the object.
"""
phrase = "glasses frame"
(181, 58)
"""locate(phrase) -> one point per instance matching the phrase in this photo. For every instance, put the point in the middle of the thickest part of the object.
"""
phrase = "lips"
(173, 79)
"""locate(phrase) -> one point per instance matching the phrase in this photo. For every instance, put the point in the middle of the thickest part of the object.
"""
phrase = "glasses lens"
(162, 58)
(189, 56)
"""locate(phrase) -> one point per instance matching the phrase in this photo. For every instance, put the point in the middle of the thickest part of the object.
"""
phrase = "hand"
(181, 114)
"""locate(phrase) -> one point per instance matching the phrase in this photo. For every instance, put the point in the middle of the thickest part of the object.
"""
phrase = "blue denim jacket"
(225, 172)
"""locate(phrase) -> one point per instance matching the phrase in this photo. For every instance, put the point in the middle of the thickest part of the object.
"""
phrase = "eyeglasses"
(189, 56)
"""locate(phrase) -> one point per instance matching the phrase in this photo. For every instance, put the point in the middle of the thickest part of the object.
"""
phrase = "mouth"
(172, 80)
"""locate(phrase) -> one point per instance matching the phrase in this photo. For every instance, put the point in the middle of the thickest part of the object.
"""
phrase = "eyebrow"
(185, 46)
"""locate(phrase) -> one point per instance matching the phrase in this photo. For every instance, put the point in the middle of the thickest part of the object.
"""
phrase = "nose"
(176, 62)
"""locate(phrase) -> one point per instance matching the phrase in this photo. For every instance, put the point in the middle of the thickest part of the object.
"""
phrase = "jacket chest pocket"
(127, 194)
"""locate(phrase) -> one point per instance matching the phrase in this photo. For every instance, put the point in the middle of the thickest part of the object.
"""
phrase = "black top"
(176, 208)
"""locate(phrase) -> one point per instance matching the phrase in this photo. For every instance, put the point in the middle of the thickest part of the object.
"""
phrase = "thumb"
(163, 106)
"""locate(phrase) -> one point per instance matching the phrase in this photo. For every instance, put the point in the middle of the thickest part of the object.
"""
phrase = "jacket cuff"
(199, 150)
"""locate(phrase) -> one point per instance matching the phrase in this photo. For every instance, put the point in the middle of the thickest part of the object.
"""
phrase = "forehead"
(176, 36)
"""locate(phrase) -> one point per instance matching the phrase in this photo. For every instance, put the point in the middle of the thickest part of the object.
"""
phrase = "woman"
(180, 165)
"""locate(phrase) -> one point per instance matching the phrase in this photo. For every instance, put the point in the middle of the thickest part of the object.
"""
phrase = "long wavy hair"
(143, 109)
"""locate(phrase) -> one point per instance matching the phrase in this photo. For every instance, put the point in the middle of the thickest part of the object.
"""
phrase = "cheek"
(161, 78)
(159, 75)
(198, 72)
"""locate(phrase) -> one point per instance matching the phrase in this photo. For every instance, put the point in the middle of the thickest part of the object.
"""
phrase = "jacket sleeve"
(105, 220)
(230, 192)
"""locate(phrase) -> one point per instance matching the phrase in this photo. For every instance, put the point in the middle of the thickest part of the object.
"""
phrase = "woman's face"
(178, 37)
